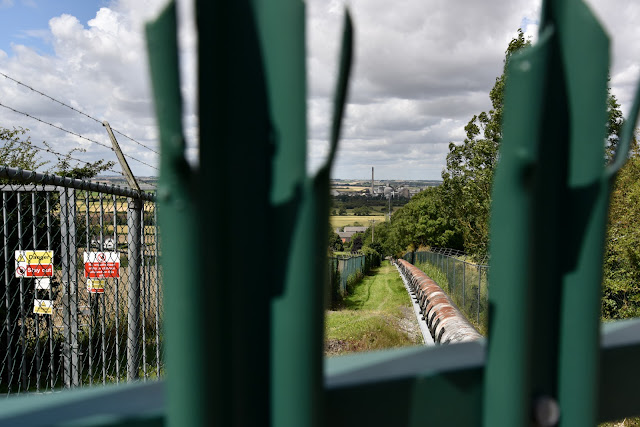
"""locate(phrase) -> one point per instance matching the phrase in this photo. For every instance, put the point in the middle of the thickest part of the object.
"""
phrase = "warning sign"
(34, 263)
(101, 264)
(96, 286)
(42, 306)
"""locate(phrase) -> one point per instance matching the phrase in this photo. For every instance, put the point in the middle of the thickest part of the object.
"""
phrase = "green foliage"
(65, 168)
(356, 242)
(621, 272)
(335, 242)
(423, 222)
(614, 125)
(362, 211)
(468, 177)
(18, 152)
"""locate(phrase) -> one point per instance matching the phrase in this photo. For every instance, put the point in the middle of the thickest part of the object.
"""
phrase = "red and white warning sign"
(34, 263)
(101, 264)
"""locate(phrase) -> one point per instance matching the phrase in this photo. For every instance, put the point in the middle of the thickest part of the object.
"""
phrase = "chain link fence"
(468, 284)
(80, 284)
(342, 267)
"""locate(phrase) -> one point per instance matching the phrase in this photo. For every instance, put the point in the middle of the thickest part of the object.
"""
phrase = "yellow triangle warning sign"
(21, 258)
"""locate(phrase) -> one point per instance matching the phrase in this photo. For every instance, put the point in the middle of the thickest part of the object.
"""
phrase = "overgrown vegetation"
(375, 315)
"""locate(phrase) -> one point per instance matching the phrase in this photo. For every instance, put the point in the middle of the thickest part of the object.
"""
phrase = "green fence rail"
(558, 369)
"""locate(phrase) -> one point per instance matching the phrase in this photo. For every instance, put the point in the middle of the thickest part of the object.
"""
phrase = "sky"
(422, 69)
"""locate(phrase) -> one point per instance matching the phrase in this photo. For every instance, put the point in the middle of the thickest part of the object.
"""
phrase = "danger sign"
(34, 263)
(101, 264)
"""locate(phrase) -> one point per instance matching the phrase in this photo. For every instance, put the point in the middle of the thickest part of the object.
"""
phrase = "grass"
(376, 315)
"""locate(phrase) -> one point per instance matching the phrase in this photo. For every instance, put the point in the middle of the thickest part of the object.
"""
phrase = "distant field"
(350, 188)
(341, 221)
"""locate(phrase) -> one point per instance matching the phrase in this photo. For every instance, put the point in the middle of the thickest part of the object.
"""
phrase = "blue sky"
(27, 21)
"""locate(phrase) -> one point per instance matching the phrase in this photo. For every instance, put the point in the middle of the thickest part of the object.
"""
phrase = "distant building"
(355, 229)
(348, 233)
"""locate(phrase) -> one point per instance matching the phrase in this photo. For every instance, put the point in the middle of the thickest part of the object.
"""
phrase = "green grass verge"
(376, 315)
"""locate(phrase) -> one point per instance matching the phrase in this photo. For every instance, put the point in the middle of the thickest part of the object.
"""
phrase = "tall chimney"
(372, 180)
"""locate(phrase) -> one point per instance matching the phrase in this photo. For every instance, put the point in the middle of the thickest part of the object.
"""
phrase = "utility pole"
(373, 228)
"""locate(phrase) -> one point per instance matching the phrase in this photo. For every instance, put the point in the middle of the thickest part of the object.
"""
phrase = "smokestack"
(372, 180)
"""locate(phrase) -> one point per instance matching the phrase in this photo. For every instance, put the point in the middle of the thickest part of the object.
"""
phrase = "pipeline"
(445, 321)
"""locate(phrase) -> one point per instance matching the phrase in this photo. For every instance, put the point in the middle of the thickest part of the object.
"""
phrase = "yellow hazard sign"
(42, 306)
(35, 257)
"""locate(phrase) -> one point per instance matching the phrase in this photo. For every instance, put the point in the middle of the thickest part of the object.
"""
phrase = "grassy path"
(377, 315)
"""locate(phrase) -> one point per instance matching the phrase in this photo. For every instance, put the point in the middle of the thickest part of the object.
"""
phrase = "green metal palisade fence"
(244, 345)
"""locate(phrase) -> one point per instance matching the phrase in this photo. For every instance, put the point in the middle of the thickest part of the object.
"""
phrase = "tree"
(362, 211)
(335, 242)
(65, 168)
(423, 222)
(468, 177)
(356, 242)
(614, 125)
(17, 152)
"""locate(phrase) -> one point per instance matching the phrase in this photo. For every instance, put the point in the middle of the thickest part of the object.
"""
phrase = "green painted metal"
(177, 189)
(254, 333)
(548, 222)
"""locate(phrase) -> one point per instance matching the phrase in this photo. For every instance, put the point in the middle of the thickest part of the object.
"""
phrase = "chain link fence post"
(134, 216)
(70, 286)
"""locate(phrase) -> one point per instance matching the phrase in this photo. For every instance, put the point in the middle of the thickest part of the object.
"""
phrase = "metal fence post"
(134, 214)
(70, 286)
(464, 279)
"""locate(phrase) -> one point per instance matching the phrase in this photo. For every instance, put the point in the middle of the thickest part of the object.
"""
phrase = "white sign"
(43, 283)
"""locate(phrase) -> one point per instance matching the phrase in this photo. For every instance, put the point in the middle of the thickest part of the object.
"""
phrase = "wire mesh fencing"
(80, 284)
(344, 267)
(468, 284)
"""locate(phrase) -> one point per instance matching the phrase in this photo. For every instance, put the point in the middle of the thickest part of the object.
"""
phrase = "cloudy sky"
(422, 69)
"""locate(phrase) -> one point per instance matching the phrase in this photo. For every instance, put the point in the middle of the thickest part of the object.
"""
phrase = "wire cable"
(74, 109)
(72, 133)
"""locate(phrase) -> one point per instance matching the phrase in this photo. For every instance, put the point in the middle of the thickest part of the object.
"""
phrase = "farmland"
(337, 221)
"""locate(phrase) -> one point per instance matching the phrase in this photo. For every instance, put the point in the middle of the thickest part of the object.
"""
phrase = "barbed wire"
(74, 109)
(59, 155)
(72, 133)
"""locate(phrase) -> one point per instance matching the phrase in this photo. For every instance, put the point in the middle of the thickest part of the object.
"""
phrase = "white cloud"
(100, 69)
(422, 69)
